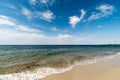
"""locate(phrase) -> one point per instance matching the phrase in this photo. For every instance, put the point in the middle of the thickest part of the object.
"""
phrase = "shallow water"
(30, 59)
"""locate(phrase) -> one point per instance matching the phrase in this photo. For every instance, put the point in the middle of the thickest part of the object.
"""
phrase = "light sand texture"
(103, 70)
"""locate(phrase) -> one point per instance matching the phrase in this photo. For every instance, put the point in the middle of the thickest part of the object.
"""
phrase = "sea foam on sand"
(39, 73)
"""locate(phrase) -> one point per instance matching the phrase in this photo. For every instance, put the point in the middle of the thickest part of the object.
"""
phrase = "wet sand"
(108, 69)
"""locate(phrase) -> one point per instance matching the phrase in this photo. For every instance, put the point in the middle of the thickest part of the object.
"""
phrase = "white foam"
(95, 59)
(85, 62)
(43, 72)
(110, 56)
(39, 73)
(118, 53)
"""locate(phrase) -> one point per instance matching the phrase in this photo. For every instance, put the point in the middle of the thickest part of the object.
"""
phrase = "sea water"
(30, 62)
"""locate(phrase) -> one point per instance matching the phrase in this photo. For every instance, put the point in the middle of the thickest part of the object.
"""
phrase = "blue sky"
(59, 22)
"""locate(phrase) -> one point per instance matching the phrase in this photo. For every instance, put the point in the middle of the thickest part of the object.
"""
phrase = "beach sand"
(108, 69)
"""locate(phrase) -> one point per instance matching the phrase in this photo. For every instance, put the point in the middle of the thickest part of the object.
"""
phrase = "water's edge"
(46, 71)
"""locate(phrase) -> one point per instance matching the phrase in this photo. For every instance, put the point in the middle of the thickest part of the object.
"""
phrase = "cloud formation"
(4, 20)
(16, 37)
(46, 15)
(70, 39)
(26, 12)
(13, 23)
(55, 30)
(12, 32)
(19, 35)
(8, 36)
(104, 11)
(73, 20)
(42, 2)
(33, 2)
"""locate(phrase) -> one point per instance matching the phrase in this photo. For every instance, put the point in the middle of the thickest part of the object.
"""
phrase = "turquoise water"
(15, 59)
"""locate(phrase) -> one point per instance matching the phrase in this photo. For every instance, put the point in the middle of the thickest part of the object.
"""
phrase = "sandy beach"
(108, 69)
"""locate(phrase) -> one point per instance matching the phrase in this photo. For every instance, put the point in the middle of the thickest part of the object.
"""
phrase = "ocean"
(31, 62)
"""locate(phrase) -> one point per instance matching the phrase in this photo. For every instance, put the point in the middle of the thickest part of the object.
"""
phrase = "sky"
(44, 22)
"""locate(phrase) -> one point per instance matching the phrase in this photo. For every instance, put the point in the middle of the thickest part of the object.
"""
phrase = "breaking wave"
(46, 71)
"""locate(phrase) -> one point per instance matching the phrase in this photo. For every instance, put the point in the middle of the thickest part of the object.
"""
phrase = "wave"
(39, 73)
(46, 71)
(96, 59)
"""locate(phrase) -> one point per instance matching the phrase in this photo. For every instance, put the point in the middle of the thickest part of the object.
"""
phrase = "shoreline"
(108, 69)
(46, 73)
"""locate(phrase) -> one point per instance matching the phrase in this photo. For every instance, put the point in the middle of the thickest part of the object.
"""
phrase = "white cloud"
(10, 6)
(11, 22)
(8, 36)
(51, 2)
(33, 2)
(4, 20)
(27, 29)
(73, 20)
(70, 39)
(26, 12)
(64, 37)
(104, 11)
(17, 37)
(42, 2)
(46, 15)
(82, 14)
(105, 8)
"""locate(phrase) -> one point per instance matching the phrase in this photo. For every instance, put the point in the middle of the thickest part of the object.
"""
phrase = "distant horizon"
(55, 44)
